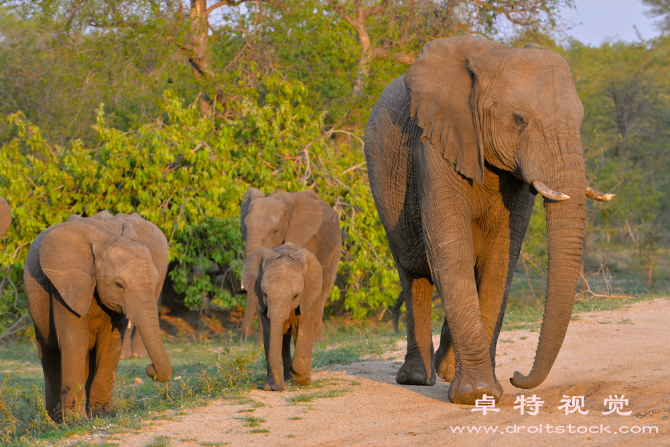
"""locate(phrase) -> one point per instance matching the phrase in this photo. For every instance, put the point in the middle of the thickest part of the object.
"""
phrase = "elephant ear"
(5, 216)
(251, 194)
(306, 217)
(440, 84)
(67, 255)
(153, 238)
(253, 272)
(313, 280)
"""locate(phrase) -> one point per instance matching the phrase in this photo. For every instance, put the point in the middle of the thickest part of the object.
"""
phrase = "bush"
(188, 173)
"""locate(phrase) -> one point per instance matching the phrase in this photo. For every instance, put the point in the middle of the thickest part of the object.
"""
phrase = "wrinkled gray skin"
(301, 218)
(286, 284)
(5, 216)
(154, 239)
(83, 282)
(451, 149)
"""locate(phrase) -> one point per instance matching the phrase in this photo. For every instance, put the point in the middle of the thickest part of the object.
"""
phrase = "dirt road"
(612, 354)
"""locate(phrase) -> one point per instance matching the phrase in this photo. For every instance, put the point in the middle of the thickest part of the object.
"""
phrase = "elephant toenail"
(417, 377)
(481, 386)
(467, 388)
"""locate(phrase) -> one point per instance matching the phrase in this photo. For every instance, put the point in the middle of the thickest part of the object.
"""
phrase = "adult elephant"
(5, 216)
(456, 150)
(154, 239)
(83, 281)
(299, 217)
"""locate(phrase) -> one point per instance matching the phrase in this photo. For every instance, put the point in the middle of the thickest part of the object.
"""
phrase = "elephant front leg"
(107, 354)
(301, 365)
(453, 273)
(73, 380)
(418, 368)
(473, 372)
(73, 341)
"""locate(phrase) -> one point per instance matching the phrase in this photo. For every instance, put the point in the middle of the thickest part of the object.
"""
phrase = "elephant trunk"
(252, 244)
(565, 235)
(146, 320)
(276, 366)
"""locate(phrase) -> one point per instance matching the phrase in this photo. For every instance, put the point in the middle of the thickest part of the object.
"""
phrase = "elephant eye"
(519, 121)
(119, 284)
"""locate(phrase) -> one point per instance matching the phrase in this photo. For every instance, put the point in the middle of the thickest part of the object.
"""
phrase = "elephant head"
(5, 216)
(286, 283)
(515, 109)
(269, 221)
(148, 234)
(86, 257)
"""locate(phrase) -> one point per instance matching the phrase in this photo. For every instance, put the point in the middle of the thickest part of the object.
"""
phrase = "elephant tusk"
(597, 195)
(547, 192)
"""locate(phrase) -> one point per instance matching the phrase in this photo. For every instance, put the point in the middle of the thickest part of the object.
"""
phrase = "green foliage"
(188, 174)
(277, 112)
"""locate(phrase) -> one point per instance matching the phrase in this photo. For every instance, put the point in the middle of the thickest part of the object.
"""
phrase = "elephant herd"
(456, 151)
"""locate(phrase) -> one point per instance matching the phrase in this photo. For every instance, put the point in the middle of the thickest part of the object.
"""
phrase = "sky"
(597, 21)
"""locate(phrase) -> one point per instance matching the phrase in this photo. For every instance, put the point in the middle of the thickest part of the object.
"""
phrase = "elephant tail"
(395, 312)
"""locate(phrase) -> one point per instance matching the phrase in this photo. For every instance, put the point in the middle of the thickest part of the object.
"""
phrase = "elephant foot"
(271, 386)
(303, 380)
(466, 389)
(413, 372)
(99, 409)
(125, 353)
(446, 365)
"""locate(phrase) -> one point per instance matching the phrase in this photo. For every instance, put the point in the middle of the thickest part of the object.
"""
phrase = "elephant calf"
(301, 218)
(286, 283)
(84, 280)
(154, 239)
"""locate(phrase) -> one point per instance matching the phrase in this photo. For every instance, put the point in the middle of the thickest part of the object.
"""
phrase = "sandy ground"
(605, 354)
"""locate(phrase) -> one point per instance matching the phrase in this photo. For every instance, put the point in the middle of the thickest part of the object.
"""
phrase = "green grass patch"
(251, 421)
(309, 397)
(160, 441)
(200, 374)
(259, 430)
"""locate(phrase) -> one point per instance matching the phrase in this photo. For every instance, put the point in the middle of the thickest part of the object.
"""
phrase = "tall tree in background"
(660, 8)
(397, 29)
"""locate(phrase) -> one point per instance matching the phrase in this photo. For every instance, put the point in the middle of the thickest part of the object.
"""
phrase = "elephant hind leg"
(286, 355)
(444, 356)
(418, 368)
(126, 349)
(51, 365)
(137, 344)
